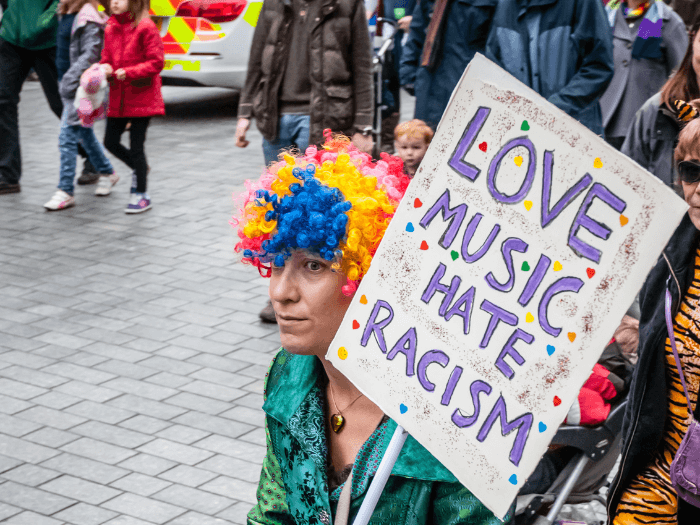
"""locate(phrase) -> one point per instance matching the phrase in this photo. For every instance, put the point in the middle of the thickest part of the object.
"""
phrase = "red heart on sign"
(590, 272)
(557, 401)
(355, 325)
(417, 203)
(424, 245)
(483, 146)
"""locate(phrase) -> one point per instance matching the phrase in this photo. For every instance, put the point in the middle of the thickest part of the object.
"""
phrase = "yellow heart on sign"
(529, 318)
(597, 163)
(518, 160)
(528, 205)
(557, 266)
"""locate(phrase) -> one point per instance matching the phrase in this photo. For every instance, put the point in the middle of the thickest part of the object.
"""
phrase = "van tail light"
(213, 10)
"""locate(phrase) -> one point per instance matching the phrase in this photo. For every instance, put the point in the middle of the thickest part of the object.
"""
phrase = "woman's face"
(309, 303)
(691, 192)
(696, 54)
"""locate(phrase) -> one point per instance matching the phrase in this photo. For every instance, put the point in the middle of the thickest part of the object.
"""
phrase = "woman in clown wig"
(312, 224)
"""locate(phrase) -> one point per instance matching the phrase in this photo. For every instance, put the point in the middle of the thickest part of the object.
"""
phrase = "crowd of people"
(628, 70)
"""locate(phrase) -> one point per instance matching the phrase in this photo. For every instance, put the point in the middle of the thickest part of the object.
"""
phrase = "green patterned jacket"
(293, 487)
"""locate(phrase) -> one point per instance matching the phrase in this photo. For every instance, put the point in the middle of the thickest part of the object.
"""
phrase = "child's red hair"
(414, 129)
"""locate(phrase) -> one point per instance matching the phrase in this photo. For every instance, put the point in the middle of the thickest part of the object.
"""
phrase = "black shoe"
(267, 314)
(6, 187)
(88, 176)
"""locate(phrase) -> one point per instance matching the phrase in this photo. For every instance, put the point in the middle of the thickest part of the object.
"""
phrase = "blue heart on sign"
(513, 479)
(403, 408)
(550, 349)
(409, 227)
(542, 427)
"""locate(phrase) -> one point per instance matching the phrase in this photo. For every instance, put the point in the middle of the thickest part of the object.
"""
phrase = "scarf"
(647, 44)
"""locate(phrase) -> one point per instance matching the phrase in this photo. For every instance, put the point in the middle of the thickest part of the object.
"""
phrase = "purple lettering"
(508, 349)
(548, 215)
(377, 327)
(433, 356)
(509, 246)
(406, 346)
(469, 234)
(466, 300)
(583, 220)
(451, 385)
(457, 163)
(497, 314)
(529, 176)
(436, 286)
(454, 215)
(565, 284)
(476, 388)
(533, 283)
(522, 424)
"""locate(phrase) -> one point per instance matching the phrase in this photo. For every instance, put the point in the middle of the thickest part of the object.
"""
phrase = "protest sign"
(516, 251)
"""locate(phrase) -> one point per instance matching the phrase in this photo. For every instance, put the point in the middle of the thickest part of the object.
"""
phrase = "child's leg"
(113, 135)
(68, 139)
(138, 153)
(95, 152)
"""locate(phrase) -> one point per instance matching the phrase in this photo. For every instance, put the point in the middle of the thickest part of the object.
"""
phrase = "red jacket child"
(139, 51)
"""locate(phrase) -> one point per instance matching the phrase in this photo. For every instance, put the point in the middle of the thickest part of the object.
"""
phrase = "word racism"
(459, 301)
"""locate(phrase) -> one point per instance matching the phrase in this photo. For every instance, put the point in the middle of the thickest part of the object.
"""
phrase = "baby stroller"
(381, 64)
(597, 450)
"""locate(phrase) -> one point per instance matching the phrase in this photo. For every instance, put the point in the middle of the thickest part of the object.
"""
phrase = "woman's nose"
(283, 285)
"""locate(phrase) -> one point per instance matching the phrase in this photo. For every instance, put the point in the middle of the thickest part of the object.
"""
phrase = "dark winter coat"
(637, 79)
(87, 34)
(652, 138)
(645, 414)
(560, 48)
(65, 24)
(139, 51)
(464, 32)
(340, 62)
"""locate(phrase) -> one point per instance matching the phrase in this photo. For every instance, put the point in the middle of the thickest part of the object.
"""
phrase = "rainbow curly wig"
(333, 201)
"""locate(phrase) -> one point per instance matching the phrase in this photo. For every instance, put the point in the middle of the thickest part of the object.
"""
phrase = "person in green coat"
(27, 41)
(312, 224)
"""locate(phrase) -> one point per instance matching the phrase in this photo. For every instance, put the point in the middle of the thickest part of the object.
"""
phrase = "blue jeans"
(68, 140)
(293, 131)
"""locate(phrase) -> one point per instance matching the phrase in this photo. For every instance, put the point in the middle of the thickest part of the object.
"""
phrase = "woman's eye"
(314, 266)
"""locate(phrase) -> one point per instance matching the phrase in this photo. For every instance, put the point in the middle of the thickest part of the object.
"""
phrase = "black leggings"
(135, 157)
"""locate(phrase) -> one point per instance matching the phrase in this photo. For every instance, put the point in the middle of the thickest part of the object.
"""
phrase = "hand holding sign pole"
(512, 258)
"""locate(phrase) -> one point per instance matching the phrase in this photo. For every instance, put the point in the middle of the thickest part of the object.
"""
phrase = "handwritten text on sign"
(511, 260)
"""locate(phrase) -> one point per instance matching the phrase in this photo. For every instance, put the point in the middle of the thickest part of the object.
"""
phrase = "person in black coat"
(444, 36)
(656, 416)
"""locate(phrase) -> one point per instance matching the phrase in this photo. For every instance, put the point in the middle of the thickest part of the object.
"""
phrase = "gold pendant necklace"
(337, 420)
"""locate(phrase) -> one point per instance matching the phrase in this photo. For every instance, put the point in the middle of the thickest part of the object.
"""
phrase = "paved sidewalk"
(131, 354)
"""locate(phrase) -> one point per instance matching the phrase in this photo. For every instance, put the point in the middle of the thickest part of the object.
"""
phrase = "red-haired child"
(411, 140)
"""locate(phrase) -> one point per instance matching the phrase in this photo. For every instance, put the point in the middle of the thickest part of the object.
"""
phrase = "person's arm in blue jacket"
(592, 33)
(411, 53)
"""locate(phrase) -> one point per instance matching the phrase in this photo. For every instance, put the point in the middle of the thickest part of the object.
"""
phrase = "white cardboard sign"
(516, 251)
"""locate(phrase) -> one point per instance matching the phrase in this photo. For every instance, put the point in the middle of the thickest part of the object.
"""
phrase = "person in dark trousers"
(654, 132)
(443, 37)
(310, 68)
(27, 40)
(649, 41)
(560, 48)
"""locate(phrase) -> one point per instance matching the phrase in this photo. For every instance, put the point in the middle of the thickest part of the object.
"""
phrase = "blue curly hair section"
(314, 218)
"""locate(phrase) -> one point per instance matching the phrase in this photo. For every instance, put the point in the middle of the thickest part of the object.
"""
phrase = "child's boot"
(60, 201)
(138, 203)
(105, 184)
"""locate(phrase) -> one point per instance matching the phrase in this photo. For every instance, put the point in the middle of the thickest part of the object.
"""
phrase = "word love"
(549, 211)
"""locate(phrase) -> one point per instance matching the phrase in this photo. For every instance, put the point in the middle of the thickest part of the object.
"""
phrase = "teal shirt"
(30, 24)
(293, 488)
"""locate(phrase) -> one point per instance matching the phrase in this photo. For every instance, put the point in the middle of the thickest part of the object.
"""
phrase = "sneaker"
(105, 184)
(60, 201)
(267, 314)
(88, 176)
(138, 203)
(6, 188)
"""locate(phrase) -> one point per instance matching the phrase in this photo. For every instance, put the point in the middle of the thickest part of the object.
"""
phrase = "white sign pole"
(381, 477)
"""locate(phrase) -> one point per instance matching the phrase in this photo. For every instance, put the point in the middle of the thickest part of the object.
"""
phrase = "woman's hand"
(120, 74)
(363, 142)
(107, 69)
